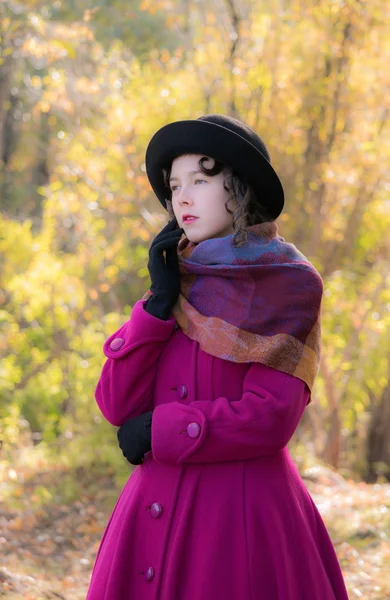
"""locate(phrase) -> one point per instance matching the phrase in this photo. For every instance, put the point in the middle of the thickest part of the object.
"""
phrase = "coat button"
(183, 391)
(156, 510)
(117, 344)
(149, 574)
(193, 430)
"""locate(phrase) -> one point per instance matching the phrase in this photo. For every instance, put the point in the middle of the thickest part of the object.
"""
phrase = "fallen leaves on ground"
(357, 516)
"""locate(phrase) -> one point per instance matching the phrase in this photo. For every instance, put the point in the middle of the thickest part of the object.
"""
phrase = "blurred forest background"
(83, 86)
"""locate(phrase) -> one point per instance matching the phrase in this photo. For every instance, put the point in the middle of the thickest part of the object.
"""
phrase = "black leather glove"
(164, 273)
(135, 438)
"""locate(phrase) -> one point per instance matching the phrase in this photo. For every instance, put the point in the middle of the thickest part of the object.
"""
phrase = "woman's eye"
(200, 180)
(174, 188)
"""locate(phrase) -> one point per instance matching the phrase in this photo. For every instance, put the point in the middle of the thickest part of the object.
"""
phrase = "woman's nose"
(185, 197)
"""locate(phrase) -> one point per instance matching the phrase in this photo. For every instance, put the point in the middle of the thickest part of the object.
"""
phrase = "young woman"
(208, 381)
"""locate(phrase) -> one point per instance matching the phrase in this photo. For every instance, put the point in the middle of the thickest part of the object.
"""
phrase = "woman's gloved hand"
(164, 272)
(135, 437)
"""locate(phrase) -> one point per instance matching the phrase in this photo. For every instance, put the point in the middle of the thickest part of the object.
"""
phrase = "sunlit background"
(83, 86)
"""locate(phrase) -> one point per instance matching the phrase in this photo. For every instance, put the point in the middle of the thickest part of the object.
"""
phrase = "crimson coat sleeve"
(125, 387)
(261, 422)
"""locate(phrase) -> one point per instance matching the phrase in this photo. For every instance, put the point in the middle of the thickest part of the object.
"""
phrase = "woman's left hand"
(134, 438)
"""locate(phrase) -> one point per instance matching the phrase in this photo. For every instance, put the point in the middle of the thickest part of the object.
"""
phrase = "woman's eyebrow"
(189, 173)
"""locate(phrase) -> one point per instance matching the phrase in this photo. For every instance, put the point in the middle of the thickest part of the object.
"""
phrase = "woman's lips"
(190, 220)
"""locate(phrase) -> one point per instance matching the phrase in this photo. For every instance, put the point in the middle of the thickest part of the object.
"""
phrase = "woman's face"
(202, 196)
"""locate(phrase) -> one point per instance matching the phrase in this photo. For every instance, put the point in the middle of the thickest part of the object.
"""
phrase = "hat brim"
(220, 143)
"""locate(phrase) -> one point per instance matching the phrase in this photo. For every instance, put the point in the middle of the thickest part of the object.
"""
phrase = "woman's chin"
(195, 238)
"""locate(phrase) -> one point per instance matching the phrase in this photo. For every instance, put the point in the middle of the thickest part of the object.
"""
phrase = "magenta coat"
(218, 510)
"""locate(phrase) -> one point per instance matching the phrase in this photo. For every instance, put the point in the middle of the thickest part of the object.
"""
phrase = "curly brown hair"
(248, 212)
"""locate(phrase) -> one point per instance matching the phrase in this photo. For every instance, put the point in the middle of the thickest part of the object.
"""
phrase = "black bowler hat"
(225, 139)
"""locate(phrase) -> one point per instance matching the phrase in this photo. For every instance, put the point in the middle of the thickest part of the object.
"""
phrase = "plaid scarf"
(258, 303)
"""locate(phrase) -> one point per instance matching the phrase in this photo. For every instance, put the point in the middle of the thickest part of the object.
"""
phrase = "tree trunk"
(332, 450)
(378, 439)
(40, 175)
(6, 76)
(333, 445)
